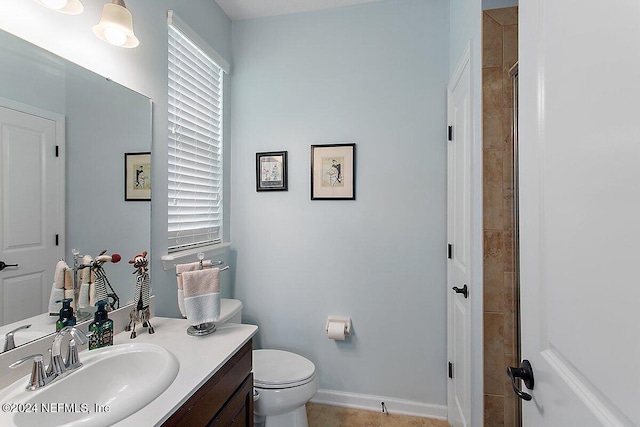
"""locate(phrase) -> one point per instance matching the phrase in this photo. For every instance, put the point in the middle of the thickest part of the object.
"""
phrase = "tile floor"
(336, 416)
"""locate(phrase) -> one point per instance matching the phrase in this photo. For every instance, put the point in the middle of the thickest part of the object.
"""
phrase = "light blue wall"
(375, 75)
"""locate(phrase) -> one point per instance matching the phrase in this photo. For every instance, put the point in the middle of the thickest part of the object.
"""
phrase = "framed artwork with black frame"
(271, 171)
(333, 171)
(137, 176)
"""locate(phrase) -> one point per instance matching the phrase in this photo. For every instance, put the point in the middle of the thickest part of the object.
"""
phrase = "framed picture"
(333, 172)
(137, 176)
(271, 171)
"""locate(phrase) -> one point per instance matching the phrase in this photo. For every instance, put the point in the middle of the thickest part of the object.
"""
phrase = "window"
(195, 140)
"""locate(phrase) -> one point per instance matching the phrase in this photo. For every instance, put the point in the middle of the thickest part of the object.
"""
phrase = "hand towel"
(202, 295)
(86, 280)
(57, 289)
(69, 291)
(181, 268)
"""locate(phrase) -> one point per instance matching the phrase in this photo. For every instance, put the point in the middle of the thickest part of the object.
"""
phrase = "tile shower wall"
(500, 53)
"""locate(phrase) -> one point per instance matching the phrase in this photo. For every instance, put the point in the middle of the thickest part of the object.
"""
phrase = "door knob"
(525, 373)
(3, 265)
(464, 290)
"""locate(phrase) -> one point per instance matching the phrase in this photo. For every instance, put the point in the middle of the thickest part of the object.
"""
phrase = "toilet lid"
(281, 369)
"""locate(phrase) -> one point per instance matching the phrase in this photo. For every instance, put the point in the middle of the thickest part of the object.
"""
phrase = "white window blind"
(195, 144)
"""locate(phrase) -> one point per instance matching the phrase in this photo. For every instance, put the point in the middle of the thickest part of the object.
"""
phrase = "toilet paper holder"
(339, 319)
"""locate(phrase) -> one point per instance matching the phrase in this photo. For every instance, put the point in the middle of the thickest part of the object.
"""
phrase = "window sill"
(189, 255)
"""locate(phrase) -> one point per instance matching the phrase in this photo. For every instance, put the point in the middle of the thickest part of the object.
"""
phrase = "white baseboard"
(373, 403)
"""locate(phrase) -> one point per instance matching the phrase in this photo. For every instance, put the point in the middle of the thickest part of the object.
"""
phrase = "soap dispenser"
(101, 329)
(66, 315)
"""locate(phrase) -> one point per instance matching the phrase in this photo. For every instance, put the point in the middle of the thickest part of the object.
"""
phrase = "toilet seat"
(277, 369)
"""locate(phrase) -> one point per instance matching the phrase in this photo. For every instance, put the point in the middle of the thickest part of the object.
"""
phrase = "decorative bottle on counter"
(66, 317)
(101, 329)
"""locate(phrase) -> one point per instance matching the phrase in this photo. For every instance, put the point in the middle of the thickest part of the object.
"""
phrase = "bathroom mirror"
(102, 122)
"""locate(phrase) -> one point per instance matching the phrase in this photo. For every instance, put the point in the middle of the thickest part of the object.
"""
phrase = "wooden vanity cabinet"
(226, 399)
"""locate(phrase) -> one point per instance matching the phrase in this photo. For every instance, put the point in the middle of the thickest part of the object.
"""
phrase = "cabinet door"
(219, 394)
(238, 412)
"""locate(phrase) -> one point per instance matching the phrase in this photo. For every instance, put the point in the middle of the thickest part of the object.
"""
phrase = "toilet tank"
(230, 311)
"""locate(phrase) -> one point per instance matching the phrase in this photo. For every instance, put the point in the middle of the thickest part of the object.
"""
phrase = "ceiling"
(248, 9)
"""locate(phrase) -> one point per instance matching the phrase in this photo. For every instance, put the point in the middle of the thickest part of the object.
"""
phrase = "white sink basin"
(113, 383)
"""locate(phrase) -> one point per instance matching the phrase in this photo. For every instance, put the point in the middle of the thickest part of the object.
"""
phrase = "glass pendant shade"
(70, 7)
(116, 25)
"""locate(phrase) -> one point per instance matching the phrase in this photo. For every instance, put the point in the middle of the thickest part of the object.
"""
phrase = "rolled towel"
(69, 292)
(86, 280)
(181, 268)
(57, 289)
(202, 295)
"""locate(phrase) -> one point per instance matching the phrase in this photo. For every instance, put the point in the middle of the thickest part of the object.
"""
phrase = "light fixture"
(116, 25)
(70, 7)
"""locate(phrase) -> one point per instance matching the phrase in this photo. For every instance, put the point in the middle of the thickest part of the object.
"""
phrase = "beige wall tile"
(507, 148)
(493, 411)
(509, 260)
(493, 274)
(504, 16)
(492, 48)
(509, 46)
(507, 210)
(499, 317)
(494, 369)
(510, 324)
(492, 108)
(509, 57)
(492, 196)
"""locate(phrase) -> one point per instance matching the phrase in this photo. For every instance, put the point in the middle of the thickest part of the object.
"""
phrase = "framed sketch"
(137, 176)
(333, 172)
(271, 171)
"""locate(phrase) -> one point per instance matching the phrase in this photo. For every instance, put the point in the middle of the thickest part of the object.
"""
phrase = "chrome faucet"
(60, 366)
(41, 375)
(38, 376)
(9, 343)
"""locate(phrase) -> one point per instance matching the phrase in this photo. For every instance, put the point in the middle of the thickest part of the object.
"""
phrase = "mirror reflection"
(64, 133)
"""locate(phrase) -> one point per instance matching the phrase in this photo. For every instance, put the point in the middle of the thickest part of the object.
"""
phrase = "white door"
(579, 140)
(32, 206)
(459, 237)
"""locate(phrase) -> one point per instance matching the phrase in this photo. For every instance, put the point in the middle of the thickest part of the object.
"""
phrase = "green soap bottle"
(101, 329)
(66, 315)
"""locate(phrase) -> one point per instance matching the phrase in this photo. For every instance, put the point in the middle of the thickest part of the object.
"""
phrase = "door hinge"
(449, 250)
(57, 151)
(450, 133)
(57, 239)
(450, 370)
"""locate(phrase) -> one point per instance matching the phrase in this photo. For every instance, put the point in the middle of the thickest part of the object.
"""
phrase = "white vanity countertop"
(199, 358)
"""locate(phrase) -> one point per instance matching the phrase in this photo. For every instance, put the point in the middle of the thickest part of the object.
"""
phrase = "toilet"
(283, 381)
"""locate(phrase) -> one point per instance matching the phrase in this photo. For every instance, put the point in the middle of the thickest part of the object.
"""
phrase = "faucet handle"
(49, 367)
(38, 376)
(78, 335)
(73, 360)
(9, 343)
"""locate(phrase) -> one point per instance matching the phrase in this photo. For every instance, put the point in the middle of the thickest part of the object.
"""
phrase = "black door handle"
(464, 290)
(4, 264)
(525, 373)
